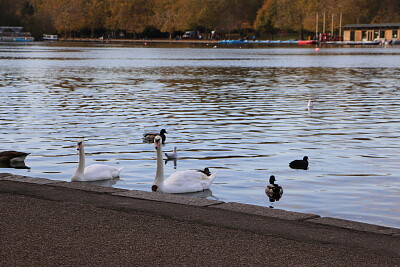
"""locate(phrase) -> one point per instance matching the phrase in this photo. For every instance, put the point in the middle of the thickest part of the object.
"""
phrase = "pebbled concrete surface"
(89, 187)
(26, 179)
(47, 225)
(263, 211)
(170, 198)
(356, 226)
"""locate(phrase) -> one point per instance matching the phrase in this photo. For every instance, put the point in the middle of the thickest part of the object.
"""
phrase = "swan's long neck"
(80, 171)
(81, 164)
(159, 179)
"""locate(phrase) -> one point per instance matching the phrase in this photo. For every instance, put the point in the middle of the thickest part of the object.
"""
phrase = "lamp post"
(340, 23)
(316, 29)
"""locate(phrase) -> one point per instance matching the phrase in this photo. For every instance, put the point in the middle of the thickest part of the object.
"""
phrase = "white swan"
(172, 156)
(180, 181)
(95, 172)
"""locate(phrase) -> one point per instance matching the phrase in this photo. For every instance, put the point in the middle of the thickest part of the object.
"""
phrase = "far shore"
(140, 41)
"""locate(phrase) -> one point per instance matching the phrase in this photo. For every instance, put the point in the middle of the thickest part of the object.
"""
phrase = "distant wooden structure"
(14, 34)
(371, 32)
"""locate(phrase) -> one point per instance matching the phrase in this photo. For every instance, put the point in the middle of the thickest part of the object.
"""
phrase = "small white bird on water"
(95, 172)
(310, 105)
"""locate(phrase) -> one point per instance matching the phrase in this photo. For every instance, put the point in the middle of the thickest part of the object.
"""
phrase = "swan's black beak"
(156, 143)
(78, 146)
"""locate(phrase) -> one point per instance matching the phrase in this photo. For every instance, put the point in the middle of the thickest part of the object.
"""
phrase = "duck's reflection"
(274, 196)
(13, 164)
(174, 160)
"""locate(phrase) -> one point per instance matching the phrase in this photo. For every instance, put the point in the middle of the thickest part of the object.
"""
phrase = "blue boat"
(232, 42)
(23, 39)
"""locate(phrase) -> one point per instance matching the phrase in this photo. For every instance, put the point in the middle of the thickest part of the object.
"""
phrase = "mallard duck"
(95, 172)
(13, 156)
(149, 137)
(273, 191)
(299, 163)
(180, 181)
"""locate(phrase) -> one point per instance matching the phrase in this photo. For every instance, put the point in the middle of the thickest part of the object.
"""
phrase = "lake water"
(242, 111)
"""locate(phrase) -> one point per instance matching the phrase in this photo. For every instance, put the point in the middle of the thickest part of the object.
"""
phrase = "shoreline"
(138, 41)
(200, 202)
(228, 42)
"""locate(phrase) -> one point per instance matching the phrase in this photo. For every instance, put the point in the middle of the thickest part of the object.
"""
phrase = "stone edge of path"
(215, 204)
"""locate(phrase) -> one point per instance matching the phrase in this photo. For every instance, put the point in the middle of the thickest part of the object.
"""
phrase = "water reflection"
(274, 196)
(202, 194)
(173, 160)
(13, 164)
(107, 183)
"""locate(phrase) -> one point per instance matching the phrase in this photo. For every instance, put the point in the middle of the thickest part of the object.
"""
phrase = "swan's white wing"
(184, 182)
(208, 180)
(187, 181)
(97, 172)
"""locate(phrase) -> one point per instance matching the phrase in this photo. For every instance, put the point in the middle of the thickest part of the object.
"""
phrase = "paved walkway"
(53, 223)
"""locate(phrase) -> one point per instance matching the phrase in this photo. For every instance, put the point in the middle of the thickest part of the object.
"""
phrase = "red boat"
(307, 42)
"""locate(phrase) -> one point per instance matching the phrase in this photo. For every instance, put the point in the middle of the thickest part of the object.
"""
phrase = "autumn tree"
(388, 11)
(9, 10)
(170, 16)
(67, 15)
(94, 15)
(129, 15)
(266, 18)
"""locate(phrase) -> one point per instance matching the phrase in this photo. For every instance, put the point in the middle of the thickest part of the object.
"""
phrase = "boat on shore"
(351, 43)
(306, 42)
(23, 39)
(50, 37)
(14, 34)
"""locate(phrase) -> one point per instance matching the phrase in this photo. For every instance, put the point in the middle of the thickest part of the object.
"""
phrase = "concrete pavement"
(54, 223)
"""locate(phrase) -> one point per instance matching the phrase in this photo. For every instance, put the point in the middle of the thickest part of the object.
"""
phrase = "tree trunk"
(301, 34)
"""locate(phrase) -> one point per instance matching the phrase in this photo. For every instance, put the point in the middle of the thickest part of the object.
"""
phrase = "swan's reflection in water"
(13, 165)
(105, 183)
(201, 194)
(174, 160)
